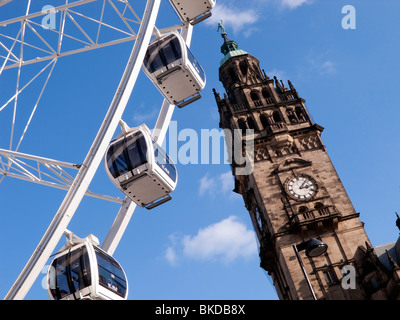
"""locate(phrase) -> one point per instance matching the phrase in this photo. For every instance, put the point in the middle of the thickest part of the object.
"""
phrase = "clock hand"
(302, 185)
(306, 187)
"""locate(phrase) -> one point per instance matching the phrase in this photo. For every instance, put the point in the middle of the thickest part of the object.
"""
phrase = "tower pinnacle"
(229, 48)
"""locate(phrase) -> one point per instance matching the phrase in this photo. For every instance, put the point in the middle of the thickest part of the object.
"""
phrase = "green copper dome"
(229, 48)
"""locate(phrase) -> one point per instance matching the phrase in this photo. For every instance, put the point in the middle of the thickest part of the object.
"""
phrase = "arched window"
(265, 93)
(291, 116)
(243, 67)
(264, 121)
(300, 114)
(252, 124)
(277, 116)
(322, 210)
(303, 210)
(254, 95)
(233, 75)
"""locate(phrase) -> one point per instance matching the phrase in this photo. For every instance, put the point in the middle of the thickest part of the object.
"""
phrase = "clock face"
(302, 187)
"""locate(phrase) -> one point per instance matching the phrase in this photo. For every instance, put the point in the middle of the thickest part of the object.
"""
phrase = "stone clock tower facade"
(294, 193)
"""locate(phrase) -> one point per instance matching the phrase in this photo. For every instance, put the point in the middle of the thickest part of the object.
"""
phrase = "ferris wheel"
(31, 44)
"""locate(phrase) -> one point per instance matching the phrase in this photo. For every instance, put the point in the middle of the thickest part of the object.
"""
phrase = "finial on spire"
(278, 85)
(221, 27)
(294, 92)
(216, 94)
(265, 75)
(397, 221)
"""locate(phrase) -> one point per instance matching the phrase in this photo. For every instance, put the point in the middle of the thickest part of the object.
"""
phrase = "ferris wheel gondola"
(193, 11)
(86, 272)
(140, 168)
(173, 69)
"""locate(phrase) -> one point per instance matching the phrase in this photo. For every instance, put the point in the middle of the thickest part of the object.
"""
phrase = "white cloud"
(224, 183)
(293, 4)
(249, 31)
(170, 254)
(243, 17)
(227, 181)
(233, 18)
(321, 66)
(226, 240)
(207, 185)
(279, 74)
(171, 257)
(143, 114)
(223, 241)
(328, 67)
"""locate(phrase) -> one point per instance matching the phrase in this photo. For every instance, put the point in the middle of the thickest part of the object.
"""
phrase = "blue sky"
(201, 245)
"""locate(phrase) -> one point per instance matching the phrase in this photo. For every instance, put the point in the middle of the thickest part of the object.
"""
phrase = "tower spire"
(229, 48)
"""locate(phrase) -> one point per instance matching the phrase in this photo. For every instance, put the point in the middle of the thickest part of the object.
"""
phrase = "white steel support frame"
(44, 171)
(34, 49)
(21, 49)
(94, 157)
(128, 207)
(46, 51)
(3, 2)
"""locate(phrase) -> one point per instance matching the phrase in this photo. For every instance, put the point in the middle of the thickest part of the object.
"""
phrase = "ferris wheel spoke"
(37, 102)
(9, 52)
(18, 81)
(26, 85)
(121, 16)
(80, 28)
(44, 171)
(40, 37)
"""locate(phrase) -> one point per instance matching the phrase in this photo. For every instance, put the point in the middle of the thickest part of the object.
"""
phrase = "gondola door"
(70, 276)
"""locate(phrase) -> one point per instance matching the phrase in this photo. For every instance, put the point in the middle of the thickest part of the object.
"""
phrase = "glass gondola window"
(164, 162)
(136, 149)
(162, 53)
(196, 65)
(59, 287)
(72, 273)
(127, 154)
(78, 265)
(111, 275)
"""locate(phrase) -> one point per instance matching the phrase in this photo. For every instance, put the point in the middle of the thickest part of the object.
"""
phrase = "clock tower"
(311, 240)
